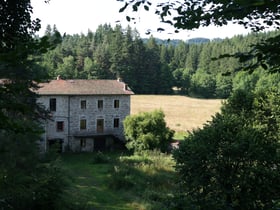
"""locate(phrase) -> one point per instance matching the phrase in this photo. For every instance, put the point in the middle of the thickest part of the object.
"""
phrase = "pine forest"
(195, 67)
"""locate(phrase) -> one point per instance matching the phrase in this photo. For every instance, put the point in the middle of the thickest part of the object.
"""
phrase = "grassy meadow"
(121, 181)
(116, 181)
(181, 113)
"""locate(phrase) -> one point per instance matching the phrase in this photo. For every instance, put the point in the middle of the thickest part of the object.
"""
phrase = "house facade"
(86, 115)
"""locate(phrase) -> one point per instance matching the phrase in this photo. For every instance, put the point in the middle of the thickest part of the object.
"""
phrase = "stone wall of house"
(72, 109)
(60, 115)
(92, 113)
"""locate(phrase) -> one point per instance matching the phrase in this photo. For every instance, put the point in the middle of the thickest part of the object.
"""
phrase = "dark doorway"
(99, 143)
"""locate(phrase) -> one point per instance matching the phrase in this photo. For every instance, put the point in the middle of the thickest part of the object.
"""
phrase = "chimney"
(125, 87)
(58, 77)
(119, 79)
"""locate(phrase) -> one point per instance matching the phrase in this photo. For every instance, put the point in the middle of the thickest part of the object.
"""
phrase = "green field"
(108, 181)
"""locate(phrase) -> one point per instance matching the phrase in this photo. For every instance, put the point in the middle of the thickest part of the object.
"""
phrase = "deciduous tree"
(233, 162)
(147, 131)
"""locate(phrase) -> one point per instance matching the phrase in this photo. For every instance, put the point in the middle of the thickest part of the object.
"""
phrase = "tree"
(245, 81)
(191, 14)
(266, 81)
(147, 131)
(233, 162)
(88, 67)
(203, 84)
(256, 15)
(223, 86)
(53, 35)
(179, 57)
(27, 179)
(67, 69)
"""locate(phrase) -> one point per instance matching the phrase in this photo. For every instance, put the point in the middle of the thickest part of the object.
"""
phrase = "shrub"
(147, 131)
(233, 162)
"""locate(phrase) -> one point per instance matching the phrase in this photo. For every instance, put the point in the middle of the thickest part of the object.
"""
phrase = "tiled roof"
(84, 87)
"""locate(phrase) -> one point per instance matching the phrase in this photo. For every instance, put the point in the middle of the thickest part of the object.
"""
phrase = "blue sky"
(77, 16)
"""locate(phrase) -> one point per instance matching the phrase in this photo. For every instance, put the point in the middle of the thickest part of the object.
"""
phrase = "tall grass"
(120, 181)
(149, 175)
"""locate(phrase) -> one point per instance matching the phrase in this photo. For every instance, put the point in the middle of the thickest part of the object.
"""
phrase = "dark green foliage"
(27, 179)
(151, 66)
(233, 161)
(203, 84)
(262, 54)
(110, 53)
(223, 86)
(257, 15)
(147, 131)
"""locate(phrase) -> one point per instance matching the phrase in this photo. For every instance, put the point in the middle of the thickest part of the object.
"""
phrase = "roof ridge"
(84, 87)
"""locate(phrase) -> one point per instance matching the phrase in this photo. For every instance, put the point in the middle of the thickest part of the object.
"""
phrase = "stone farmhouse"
(86, 115)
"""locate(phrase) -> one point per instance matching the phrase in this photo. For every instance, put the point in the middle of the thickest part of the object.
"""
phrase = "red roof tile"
(84, 87)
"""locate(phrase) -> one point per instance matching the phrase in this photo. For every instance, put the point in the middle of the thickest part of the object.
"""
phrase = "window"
(83, 142)
(83, 104)
(59, 126)
(53, 104)
(100, 104)
(83, 124)
(116, 122)
(116, 103)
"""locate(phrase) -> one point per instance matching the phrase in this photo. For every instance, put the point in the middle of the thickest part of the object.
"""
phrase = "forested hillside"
(155, 66)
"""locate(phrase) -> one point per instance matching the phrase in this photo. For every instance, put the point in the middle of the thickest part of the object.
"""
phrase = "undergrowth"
(149, 175)
(143, 181)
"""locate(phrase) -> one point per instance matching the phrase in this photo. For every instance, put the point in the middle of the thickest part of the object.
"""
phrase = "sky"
(79, 16)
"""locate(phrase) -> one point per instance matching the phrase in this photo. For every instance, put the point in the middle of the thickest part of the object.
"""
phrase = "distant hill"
(175, 42)
(198, 40)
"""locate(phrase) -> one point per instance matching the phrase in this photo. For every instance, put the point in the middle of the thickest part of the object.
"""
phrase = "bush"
(233, 162)
(28, 180)
(147, 131)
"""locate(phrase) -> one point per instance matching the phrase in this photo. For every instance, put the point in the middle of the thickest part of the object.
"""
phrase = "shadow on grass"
(120, 181)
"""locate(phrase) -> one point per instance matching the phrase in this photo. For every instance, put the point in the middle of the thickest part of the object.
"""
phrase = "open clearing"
(181, 113)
